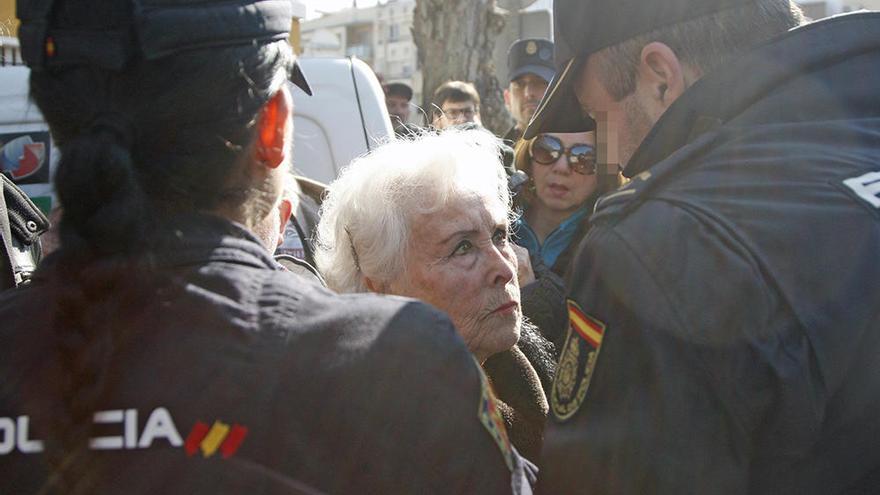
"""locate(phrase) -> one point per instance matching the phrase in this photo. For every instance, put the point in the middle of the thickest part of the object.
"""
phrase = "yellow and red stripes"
(587, 327)
(219, 436)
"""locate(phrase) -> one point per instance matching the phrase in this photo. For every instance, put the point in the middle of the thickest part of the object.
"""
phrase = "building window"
(393, 32)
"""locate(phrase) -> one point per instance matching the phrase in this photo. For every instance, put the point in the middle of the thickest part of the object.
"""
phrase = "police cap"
(109, 34)
(531, 56)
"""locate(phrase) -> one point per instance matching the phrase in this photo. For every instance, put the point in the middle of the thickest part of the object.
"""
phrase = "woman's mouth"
(557, 189)
(506, 308)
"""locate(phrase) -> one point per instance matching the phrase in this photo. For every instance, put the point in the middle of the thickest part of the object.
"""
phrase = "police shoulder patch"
(579, 355)
(492, 420)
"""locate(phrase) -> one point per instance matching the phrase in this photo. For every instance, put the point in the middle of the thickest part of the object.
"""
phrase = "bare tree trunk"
(455, 41)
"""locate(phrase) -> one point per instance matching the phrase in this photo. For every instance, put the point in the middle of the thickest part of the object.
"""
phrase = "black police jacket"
(250, 379)
(725, 336)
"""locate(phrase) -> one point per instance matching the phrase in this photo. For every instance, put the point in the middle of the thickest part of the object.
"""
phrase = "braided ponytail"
(104, 228)
(104, 204)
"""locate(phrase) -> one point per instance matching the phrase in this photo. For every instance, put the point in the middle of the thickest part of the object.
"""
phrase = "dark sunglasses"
(546, 149)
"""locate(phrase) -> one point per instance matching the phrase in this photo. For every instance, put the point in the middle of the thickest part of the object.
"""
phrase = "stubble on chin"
(608, 142)
(638, 125)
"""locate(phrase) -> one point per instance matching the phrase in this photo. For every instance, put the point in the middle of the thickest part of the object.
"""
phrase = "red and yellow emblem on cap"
(50, 47)
(576, 363)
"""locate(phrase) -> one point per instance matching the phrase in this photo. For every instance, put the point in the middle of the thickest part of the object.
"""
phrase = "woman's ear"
(273, 129)
(375, 286)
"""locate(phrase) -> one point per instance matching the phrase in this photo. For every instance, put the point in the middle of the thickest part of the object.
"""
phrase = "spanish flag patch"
(576, 363)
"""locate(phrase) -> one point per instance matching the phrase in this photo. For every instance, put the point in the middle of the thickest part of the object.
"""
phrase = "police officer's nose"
(532, 92)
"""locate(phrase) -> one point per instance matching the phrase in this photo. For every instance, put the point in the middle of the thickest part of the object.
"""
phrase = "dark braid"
(102, 233)
(137, 147)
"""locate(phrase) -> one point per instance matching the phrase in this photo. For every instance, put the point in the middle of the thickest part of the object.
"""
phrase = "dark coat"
(562, 265)
(543, 304)
(301, 387)
(520, 398)
(727, 302)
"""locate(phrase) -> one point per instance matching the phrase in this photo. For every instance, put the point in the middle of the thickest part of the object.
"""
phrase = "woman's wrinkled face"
(557, 186)
(459, 260)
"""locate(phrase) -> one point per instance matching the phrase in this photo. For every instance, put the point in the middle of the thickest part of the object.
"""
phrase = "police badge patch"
(576, 364)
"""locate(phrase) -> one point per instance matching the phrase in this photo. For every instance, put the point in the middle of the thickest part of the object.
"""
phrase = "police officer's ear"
(274, 129)
(662, 77)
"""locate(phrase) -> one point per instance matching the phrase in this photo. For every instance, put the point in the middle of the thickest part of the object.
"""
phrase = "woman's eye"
(500, 237)
(463, 247)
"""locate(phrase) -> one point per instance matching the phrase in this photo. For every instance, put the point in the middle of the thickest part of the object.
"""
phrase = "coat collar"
(199, 238)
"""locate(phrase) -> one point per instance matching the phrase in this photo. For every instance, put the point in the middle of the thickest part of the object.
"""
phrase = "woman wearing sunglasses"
(562, 188)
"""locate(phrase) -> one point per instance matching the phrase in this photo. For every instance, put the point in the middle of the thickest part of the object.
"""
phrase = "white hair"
(367, 212)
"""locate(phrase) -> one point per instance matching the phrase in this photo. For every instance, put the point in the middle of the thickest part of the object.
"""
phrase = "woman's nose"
(503, 267)
(561, 164)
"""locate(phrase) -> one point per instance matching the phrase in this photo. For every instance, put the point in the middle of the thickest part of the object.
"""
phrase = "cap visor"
(544, 73)
(299, 78)
(559, 110)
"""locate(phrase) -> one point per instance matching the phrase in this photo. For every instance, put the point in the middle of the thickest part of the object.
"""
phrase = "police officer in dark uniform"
(21, 224)
(725, 306)
(530, 69)
(161, 349)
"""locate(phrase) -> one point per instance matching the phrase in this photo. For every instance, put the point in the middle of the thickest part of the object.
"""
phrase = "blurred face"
(563, 170)
(457, 112)
(460, 261)
(624, 123)
(398, 106)
(524, 94)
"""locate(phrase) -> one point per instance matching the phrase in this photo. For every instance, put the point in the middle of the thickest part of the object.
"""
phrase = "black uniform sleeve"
(543, 303)
(692, 364)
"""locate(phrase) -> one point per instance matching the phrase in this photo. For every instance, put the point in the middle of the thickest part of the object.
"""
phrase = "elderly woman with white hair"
(430, 218)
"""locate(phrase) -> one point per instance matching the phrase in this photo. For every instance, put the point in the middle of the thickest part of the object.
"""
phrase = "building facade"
(817, 9)
(381, 36)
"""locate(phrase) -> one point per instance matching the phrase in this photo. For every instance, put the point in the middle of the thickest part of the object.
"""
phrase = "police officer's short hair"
(704, 42)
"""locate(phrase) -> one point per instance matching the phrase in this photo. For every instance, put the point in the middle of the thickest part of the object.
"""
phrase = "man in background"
(397, 99)
(455, 103)
(530, 66)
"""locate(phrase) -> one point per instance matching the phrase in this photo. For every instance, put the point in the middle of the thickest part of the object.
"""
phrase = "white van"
(345, 117)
